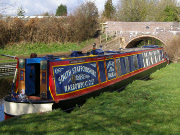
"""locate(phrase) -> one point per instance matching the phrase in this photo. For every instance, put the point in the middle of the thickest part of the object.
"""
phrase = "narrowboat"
(50, 82)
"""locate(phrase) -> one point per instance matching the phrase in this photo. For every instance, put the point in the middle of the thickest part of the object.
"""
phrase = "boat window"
(158, 56)
(127, 64)
(151, 58)
(140, 60)
(162, 54)
(118, 65)
(131, 63)
(135, 61)
(155, 56)
(145, 59)
(123, 66)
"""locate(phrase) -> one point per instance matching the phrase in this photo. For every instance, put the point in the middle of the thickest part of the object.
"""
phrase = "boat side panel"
(125, 71)
(111, 70)
(65, 78)
(102, 71)
(118, 85)
(18, 108)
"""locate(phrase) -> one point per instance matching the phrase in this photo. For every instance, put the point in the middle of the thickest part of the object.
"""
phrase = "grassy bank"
(144, 107)
(25, 49)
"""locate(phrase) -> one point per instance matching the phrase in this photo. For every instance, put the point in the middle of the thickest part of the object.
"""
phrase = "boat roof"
(99, 52)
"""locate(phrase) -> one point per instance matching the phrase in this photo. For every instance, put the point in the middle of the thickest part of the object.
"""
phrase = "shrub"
(16, 28)
(30, 30)
(46, 30)
(4, 34)
(79, 26)
(173, 49)
(84, 21)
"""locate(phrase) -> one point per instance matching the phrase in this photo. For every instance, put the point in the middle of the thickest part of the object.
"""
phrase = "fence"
(7, 69)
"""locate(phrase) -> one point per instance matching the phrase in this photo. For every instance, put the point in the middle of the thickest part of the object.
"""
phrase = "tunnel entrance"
(144, 40)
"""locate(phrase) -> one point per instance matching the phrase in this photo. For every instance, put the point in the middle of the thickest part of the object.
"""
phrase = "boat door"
(32, 84)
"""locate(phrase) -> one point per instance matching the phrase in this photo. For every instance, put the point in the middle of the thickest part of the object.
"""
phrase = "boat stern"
(16, 107)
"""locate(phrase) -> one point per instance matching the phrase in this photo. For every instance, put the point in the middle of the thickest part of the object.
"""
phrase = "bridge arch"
(136, 40)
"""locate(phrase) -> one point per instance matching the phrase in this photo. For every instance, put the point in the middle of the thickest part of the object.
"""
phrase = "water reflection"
(1, 110)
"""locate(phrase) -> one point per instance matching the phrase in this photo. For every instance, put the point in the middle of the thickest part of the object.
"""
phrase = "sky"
(38, 7)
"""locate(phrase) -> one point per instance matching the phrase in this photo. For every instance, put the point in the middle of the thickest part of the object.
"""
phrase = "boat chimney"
(100, 47)
(33, 55)
(94, 48)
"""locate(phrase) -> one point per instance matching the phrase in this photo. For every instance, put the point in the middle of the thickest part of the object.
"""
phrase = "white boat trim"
(15, 109)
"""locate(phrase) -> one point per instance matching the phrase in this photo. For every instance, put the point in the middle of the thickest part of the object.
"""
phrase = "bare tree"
(5, 5)
(84, 21)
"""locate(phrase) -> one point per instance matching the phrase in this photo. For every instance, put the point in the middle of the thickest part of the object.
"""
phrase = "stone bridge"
(130, 34)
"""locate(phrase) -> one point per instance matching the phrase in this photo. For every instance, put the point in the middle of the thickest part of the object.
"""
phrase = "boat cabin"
(52, 77)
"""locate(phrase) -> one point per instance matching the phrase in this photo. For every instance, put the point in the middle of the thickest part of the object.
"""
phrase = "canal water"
(1, 110)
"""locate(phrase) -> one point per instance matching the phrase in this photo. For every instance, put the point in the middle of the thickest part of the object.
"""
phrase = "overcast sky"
(38, 7)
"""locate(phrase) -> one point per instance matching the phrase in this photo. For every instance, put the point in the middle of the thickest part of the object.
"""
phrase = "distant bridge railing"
(133, 34)
(7, 69)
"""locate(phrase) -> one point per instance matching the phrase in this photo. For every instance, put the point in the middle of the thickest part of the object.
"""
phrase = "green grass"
(144, 107)
(23, 49)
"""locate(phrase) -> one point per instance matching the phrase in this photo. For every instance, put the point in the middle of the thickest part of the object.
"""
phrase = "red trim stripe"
(78, 93)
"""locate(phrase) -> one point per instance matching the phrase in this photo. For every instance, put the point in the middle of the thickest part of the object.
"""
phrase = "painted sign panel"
(70, 78)
(111, 71)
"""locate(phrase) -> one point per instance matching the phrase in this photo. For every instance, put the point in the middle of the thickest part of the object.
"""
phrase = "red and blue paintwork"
(97, 80)
(67, 81)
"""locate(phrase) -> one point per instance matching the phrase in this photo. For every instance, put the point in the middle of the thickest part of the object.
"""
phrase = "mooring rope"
(33, 105)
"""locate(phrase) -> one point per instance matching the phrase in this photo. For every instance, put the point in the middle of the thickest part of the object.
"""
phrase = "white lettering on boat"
(80, 85)
(81, 77)
(110, 63)
(75, 70)
(112, 74)
(58, 70)
(64, 76)
(111, 69)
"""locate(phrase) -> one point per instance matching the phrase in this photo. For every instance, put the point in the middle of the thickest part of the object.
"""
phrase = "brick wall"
(130, 30)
